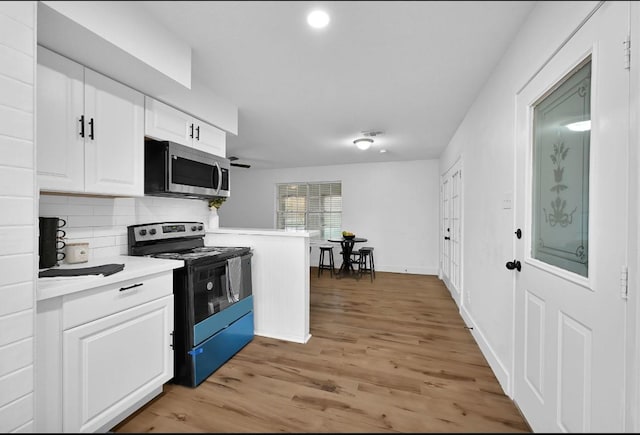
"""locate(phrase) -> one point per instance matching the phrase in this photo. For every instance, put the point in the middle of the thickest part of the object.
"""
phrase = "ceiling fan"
(239, 165)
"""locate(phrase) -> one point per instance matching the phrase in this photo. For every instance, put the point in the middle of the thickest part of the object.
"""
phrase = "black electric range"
(213, 295)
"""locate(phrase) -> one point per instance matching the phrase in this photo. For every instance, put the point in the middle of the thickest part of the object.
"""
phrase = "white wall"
(17, 219)
(117, 21)
(485, 139)
(394, 205)
(120, 40)
(102, 221)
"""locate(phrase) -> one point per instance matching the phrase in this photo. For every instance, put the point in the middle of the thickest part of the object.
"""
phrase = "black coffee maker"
(50, 241)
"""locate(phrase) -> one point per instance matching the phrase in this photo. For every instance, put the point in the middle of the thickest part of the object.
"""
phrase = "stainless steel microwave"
(172, 169)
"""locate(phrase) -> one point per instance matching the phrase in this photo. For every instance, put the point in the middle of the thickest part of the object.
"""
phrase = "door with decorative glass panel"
(571, 184)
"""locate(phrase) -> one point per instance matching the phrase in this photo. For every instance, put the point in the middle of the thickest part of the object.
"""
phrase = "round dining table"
(346, 268)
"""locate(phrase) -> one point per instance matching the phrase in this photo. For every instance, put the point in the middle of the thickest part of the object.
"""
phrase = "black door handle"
(447, 238)
(515, 264)
(191, 134)
(81, 125)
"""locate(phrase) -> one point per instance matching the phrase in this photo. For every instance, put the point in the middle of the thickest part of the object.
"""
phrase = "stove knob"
(152, 231)
(193, 228)
(143, 232)
(200, 227)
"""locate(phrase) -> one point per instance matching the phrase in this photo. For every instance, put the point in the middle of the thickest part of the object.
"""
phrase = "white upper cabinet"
(60, 102)
(90, 130)
(163, 122)
(114, 153)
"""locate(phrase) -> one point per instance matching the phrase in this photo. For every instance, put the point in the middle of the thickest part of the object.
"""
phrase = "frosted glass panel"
(561, 138)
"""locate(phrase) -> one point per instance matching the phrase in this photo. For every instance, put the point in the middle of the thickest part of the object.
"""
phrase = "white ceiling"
(408, 68)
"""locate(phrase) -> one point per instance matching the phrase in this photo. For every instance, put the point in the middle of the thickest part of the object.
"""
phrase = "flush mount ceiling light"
(363, 143)
(318, 19)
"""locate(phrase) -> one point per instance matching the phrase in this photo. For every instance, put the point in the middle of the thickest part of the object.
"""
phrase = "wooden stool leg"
(373, 267)
(320, 262)
(331, 263)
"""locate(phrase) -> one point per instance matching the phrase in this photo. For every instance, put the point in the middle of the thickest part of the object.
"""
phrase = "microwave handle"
(217, 166)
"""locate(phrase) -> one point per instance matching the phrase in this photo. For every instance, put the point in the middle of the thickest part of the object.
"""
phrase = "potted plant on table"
(214, 205)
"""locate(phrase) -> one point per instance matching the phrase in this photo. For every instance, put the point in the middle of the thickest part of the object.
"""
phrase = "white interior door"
(446, 210)
(571, 193)
(455, 234)
(452, 229)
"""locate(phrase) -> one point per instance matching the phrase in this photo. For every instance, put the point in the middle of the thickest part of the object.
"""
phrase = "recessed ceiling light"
(318, 19)
(363, 143)
(383, 151)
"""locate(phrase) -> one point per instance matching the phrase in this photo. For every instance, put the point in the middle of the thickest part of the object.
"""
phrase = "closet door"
(451, 230)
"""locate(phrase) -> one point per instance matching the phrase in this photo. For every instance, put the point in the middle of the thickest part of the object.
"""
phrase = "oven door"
(212, 293)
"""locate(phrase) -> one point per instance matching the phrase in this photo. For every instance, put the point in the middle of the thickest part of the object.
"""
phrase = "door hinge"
(624, 282)
(627, 52)
(172, 340)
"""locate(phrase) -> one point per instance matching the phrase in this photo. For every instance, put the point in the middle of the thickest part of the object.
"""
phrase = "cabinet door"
(209, 139)
(113, 362)
(114, 146)
(60, 105)
(163, 122)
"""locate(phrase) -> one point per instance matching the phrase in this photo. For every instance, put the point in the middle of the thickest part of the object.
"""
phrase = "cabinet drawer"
(82, 307)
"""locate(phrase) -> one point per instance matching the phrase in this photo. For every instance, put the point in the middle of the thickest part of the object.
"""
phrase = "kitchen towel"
(234, 274)
(105, 270)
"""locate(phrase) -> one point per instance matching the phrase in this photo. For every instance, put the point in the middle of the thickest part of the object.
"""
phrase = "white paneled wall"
(18, 262)
(102, 221)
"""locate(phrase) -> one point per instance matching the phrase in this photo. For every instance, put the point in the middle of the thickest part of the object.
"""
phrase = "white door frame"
(632, 423)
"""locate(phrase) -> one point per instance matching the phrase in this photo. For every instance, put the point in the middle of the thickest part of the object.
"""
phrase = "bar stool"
(321, 265)
(366, 252)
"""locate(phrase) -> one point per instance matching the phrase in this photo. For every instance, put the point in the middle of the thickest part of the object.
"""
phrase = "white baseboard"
(408, 269)
(294, 339)
(502, 374)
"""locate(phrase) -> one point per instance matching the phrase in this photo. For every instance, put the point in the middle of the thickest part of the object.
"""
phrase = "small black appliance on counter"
(213, 306)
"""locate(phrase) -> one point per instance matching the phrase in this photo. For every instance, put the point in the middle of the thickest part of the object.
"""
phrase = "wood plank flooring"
(389, 356)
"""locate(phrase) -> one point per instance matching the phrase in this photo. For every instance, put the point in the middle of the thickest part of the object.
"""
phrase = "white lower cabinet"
(102, 353)
(113, 362)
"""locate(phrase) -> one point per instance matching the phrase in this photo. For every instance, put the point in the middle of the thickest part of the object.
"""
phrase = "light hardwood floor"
(389, 356)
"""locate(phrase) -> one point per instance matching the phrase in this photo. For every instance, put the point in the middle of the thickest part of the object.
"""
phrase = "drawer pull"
(130, 287)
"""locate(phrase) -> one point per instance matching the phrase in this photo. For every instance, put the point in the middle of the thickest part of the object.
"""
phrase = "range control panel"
(166, 230)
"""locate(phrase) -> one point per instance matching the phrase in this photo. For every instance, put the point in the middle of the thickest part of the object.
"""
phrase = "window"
(310, 206)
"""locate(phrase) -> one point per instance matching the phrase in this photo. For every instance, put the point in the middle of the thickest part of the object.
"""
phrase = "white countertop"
(134, 267)
(265, 232)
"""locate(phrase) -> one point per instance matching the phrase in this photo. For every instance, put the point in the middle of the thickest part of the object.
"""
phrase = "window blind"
(310, 206)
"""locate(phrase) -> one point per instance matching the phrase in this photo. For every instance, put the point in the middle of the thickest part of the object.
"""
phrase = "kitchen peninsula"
(280, 275)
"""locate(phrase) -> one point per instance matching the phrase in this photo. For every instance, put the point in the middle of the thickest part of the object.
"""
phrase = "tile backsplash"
(102, 221)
